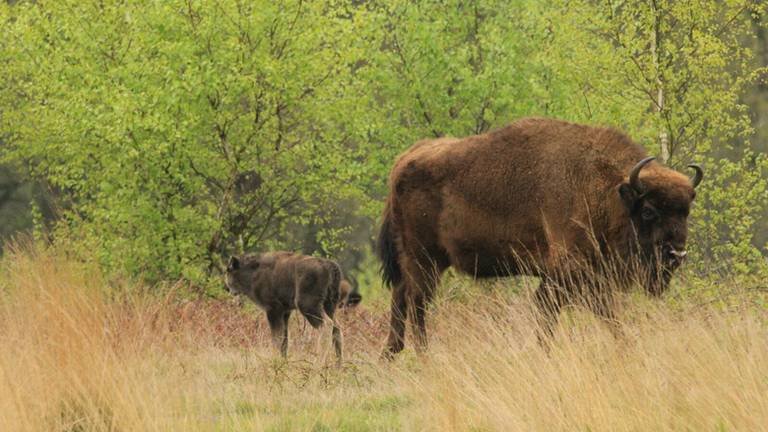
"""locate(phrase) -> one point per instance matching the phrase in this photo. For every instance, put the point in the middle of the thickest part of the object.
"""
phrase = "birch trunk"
(659, 105)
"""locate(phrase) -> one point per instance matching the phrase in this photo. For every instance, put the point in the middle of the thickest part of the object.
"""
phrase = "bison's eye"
(648, 214)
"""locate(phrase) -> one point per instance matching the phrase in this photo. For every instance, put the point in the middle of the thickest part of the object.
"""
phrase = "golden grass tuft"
(697, 371)
(75, 356)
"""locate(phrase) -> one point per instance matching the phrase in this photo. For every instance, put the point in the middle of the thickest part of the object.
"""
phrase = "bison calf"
(280, 282)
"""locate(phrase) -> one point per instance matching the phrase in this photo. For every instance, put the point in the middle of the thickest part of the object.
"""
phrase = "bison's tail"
(335, 287)
(386, 249)
(333, 291)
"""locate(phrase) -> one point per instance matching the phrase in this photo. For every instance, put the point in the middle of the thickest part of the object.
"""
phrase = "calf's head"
(239, 274)
(658, 203)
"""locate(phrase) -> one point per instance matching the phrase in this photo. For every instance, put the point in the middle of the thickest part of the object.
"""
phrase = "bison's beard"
(657, 274)
(644, 264)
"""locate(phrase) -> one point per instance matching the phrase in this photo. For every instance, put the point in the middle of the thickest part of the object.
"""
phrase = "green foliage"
(729, 205)
(437, 68)
(672, 74)
(664, 67)
(176, 132)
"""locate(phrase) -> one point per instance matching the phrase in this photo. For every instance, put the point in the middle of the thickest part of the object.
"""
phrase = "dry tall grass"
(75, 358)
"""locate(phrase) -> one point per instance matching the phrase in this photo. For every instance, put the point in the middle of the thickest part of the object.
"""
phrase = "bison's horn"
(634, 175)
(698, 176)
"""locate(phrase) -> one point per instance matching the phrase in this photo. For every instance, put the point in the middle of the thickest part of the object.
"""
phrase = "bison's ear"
(234, 264)
(629, 196)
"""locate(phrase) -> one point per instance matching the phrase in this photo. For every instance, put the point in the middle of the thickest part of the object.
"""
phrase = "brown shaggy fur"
(280, 282)
(530, 198)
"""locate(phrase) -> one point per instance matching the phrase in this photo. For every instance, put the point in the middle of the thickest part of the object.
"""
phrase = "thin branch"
(205, 177)
(422, 105)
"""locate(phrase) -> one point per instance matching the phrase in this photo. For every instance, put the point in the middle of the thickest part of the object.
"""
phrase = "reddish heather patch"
(225, 324)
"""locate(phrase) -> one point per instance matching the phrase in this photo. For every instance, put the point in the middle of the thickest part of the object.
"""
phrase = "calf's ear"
(234, 264)
(629, 196)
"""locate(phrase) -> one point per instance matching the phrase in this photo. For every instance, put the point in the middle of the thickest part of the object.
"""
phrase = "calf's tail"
(333, 294)
(334, 287)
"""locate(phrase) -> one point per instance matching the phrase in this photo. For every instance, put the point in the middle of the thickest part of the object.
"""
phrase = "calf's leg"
(338, 339)
(278, 326)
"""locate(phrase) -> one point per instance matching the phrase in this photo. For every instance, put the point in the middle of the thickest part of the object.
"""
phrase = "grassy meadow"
(144, 143)
(77, 356)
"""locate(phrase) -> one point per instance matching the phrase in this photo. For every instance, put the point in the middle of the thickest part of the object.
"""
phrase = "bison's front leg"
(399, 309)
(603, 304)
(549, 299)
(278, 325)
(418, 308)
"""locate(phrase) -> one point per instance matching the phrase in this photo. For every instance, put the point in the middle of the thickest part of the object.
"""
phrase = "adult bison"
(542, 197)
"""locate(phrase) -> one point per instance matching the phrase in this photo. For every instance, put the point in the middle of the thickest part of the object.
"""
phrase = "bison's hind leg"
(313, 314)
(338, 339)
(423, 278)
(410, 299)
(309, 299)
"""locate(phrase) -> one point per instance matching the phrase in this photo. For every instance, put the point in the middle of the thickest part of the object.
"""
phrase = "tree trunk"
(659, 105)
